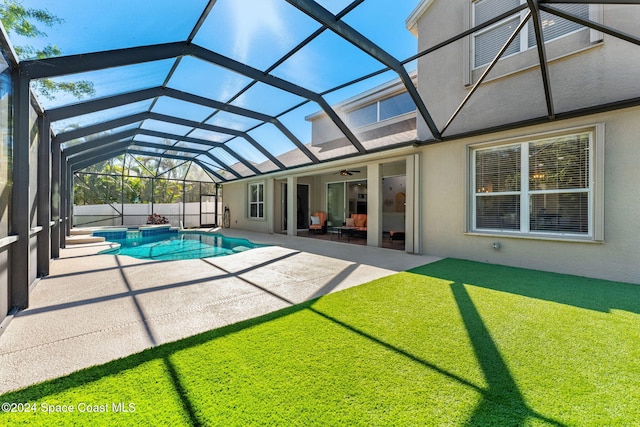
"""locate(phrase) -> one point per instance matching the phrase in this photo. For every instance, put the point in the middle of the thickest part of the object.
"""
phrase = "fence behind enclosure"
(112, 200)
(137, 214)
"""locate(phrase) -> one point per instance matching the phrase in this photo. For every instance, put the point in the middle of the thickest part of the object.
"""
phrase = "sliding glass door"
(357, 197)
(335, 204)
(344, 199)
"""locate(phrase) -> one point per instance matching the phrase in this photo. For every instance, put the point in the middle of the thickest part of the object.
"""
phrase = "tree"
(20, 20)
(104, 182)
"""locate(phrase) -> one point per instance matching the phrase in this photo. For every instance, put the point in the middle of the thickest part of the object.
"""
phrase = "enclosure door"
(208, 210)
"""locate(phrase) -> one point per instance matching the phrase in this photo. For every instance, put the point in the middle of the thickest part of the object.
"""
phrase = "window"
(488, 42)
(381, 110)
(256, 200)
(363, 116)
(535, 187)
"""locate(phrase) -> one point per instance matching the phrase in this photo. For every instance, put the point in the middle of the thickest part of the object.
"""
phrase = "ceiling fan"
(347, 172)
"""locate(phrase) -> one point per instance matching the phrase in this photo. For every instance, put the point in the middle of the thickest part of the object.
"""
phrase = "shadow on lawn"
(591, 294)
(502, 403)
(182, 393)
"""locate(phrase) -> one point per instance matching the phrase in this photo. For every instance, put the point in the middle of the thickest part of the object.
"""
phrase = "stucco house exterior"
(535, 167)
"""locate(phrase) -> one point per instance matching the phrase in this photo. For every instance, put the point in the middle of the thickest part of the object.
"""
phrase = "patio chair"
(396, 235)
(360, 225)
(318, 223)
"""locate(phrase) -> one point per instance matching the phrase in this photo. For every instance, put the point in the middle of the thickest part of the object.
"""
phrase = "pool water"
(175, 246)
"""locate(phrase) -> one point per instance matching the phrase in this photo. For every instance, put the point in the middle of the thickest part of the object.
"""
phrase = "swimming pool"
(178, 245)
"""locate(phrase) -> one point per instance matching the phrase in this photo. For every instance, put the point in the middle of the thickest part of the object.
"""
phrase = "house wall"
(235, 198)
(583, 72)
(278, 205)
(586, 69)
(445, 206)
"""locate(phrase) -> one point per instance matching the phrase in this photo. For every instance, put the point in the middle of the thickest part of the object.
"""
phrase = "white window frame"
(595, 189)
(595, 14)
(257, 203)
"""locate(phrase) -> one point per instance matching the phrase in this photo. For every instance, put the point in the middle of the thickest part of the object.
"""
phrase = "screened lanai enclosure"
(114, 111)
(132, 189)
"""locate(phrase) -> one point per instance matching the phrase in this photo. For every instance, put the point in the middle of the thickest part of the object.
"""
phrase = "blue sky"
(256, 32)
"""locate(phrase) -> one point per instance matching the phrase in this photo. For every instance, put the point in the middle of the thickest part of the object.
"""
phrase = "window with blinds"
(488, 42)
(497, 188)
(559, 184)
(553, 196)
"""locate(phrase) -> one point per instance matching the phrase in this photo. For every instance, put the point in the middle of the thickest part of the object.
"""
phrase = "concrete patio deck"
(95, 308)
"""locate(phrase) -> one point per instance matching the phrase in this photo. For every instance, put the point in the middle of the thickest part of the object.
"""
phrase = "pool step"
(81, 231)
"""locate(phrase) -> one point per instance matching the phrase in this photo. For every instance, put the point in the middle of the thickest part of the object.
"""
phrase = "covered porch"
(362, 204)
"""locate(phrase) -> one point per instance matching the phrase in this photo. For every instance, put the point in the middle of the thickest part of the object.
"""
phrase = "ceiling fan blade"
(346, 172)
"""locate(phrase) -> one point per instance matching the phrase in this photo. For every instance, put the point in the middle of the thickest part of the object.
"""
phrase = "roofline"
(414, 17)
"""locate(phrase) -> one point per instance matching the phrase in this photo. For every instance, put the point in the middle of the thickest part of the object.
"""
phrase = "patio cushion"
(315, 220)
(350, 222)
(360, 220)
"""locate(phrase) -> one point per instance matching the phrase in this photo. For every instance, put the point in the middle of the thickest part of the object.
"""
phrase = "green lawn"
(450, 343)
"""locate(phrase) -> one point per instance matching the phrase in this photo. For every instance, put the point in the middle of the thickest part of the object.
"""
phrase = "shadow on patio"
(416, 347)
